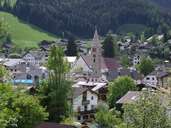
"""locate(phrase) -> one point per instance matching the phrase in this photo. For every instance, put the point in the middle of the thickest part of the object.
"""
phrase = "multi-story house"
(84, 103)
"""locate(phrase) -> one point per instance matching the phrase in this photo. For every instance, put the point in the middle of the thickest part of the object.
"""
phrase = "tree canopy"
(147, 112)
(118, 88)
(19, 110)
(106, 118)
(55, 92)
(71, 48)
(109, 47)
(146, 66)
(79, 17)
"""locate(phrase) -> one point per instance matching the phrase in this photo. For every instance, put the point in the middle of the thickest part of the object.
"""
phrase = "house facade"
(36, 58)
(21, 72)
(84, 103)
(136, 60)
(158, 78)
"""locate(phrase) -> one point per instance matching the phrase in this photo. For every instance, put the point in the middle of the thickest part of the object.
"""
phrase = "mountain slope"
(79, 17)
(165, 4)
(24, 35)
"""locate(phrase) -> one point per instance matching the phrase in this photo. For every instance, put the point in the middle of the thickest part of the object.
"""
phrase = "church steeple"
(96, 39)
(96, 54)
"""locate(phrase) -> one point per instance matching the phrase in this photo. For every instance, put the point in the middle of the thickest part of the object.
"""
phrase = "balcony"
(85, 102)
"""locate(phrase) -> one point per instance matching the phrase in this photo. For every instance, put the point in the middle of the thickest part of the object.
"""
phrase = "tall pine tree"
(71, 48)
(109, 47)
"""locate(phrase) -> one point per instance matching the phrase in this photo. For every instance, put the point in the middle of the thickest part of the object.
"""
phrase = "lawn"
(23, 34)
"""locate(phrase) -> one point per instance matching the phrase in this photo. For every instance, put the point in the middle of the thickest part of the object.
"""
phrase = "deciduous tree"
(148, 112)
(19, 110)
(118, 88)
(146, 66)
(54, 93)
(106, 118)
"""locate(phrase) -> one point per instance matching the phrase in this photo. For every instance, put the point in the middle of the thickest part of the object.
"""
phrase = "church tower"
(96, 55)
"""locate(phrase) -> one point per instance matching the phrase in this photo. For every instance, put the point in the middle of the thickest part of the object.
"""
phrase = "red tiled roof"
(110, 63)
(53, 125)
(106, 63)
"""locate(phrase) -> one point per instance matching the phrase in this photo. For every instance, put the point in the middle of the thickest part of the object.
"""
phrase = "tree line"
(80, 17)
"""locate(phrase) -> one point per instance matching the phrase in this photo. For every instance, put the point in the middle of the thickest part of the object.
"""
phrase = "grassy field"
(24, 35)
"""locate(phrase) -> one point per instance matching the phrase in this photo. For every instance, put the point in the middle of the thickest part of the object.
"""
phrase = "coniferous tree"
(71, 48)
(109, 47)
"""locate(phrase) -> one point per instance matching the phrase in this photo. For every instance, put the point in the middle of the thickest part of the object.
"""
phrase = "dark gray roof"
(54, 125)
(13, 62)
(77, 91)
(37, 54)
(130, 97)
(132, 73)
(159, 73)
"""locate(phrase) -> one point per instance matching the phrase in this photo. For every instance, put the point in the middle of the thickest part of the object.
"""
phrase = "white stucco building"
(84, 103)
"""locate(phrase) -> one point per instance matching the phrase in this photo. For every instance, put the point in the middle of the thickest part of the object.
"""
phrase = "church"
(94, 66)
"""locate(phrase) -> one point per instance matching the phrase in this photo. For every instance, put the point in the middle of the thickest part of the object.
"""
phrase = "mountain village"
(91, 74)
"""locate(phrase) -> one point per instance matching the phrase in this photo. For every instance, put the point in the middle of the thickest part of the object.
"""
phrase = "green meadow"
(23, 34)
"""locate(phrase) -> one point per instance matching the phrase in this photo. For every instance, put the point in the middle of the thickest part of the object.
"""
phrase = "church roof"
(106, 63)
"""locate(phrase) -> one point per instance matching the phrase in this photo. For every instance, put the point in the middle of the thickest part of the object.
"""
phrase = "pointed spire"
(96, 39)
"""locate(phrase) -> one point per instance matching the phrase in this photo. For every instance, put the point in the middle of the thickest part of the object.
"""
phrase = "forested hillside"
(165, 4)
(79, 17)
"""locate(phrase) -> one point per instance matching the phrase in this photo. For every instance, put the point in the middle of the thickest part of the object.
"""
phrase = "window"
(92, 107)
(85, 108)
(78, 117)
(27, 64)
(92, 98)
(94, 49)
(29, 77)
(153, 78)
(94, 60)
(147, 78)
(79, 109)
(84, 96)
(43, 76)
(85, 117)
